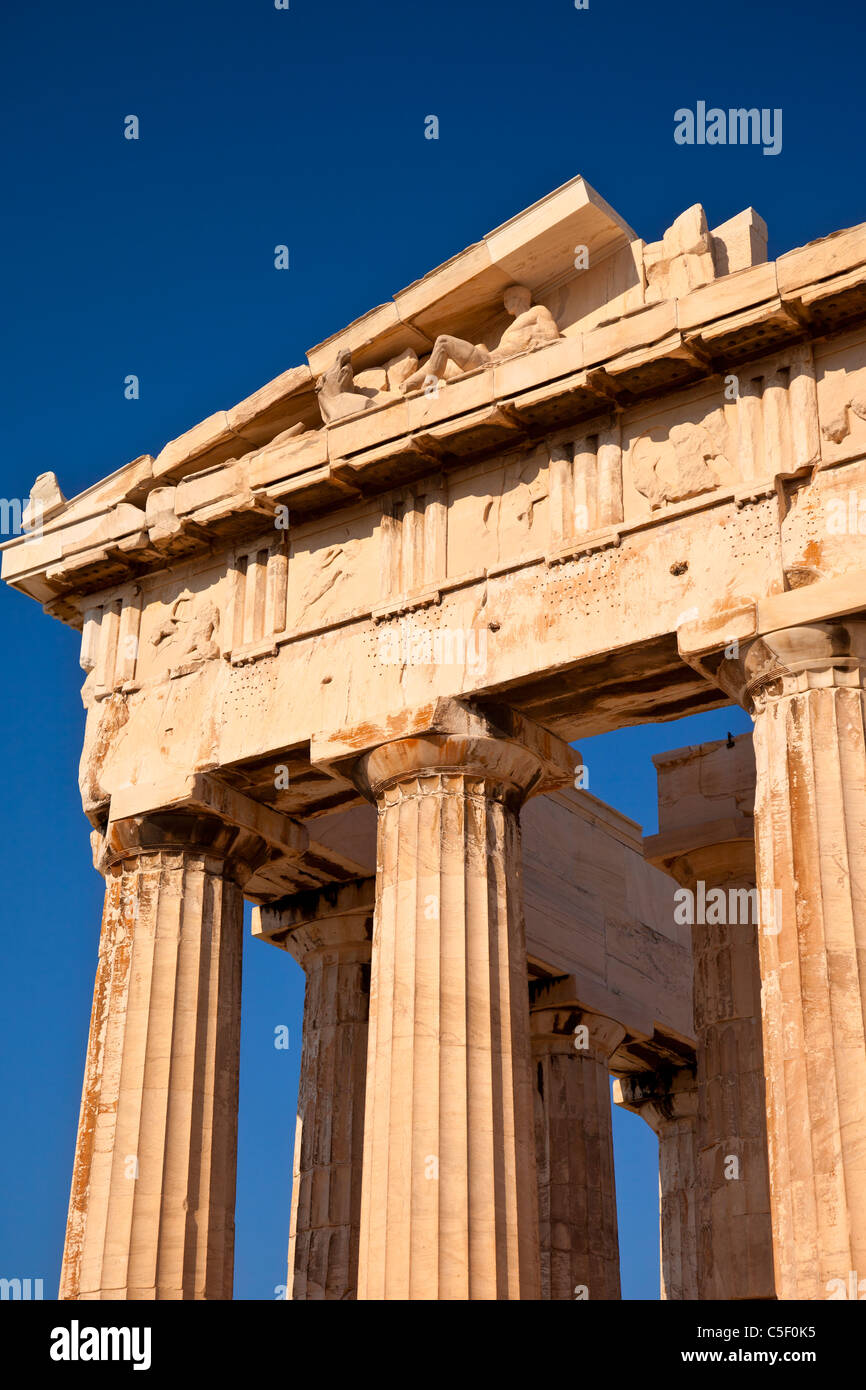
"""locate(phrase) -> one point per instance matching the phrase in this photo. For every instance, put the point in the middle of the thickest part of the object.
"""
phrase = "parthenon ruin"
(342, 642)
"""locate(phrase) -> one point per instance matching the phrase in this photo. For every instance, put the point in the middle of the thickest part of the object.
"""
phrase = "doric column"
(449, 1206)
(669, 1104)
(571, 1049)
(805, 688)
(330, 934)
(151, 1213)
(713, 858)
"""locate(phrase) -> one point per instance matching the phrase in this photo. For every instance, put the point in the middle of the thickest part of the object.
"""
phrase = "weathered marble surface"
(625, 510)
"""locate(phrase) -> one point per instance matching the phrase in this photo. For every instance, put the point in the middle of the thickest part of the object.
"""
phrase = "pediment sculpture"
(340, 394)
(533, 326)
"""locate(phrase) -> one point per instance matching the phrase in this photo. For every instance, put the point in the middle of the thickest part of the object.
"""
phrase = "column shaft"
(810, 811)
(677, 1135)
(669, 1104)
(152, 1207)
(735, 1246)
(449, 1206)
(574, 1154)
(334, 949)
(706, 842)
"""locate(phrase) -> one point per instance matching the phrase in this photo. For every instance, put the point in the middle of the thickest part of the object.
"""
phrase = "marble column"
(714, 860)
(735, 1243)
(449, 1203)
(578, 1240)
(805, 688)
(668, 1101)
(330, 935)
(151, 1214)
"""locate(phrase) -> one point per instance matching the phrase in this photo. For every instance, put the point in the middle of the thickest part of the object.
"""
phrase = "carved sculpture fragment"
(46, 500)
(194, 630)
(682, 260)
(336, 390)
(682, 465)
(839, 427)
(533, 326)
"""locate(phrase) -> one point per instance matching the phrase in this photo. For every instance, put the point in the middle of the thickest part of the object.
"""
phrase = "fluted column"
(151, 1213)
(578, 1238)
(805, 686)
(735, 1244)
(331, 937)
(669, 1104)
(735, 1247)
(449, 1203)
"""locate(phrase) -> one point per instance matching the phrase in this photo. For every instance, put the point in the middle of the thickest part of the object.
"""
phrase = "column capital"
(330, 924)
(169, 830)
(659, 1097)
(198, 814)
(717, 862)
(495, 768)
(502, 749)
(706, 797)
(558, 1030)
(182, 832)
(793, 660)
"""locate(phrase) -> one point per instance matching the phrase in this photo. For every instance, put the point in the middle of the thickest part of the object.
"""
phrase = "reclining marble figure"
(533, 326)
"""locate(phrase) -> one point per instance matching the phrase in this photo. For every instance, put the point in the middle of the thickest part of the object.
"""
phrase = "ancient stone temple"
(340, 641)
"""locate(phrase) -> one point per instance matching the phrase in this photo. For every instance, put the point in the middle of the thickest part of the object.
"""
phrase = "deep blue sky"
(155, 257)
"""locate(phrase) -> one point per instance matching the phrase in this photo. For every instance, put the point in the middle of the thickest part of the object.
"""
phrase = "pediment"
(603, 320)
(463, 296)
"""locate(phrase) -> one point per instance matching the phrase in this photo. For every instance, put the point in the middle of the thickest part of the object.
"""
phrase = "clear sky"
(305, 127)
